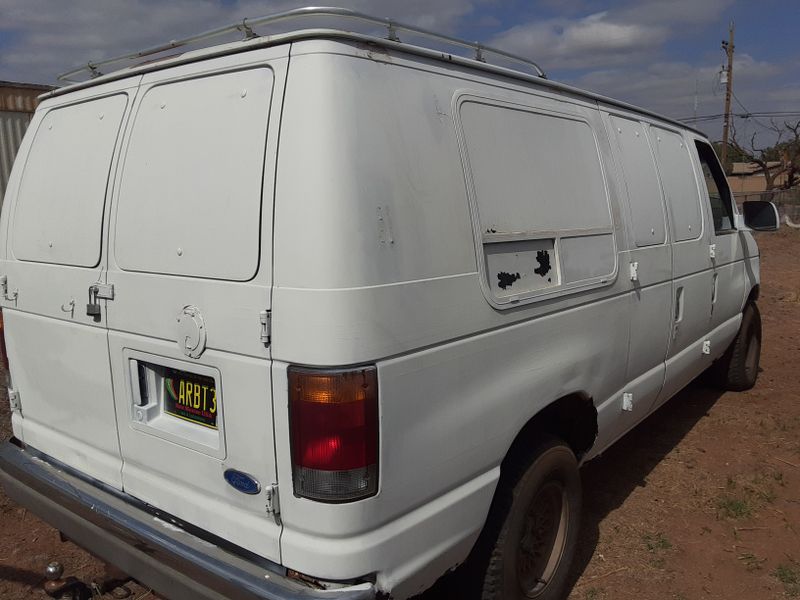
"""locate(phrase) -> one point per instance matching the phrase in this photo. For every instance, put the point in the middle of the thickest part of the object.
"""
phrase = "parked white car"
(324, 314)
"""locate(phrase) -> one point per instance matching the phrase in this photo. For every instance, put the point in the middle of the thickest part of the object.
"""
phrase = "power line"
(744, 115)
(755, 119)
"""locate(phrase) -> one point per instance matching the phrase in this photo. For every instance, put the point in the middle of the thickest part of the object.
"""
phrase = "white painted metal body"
(372, 200)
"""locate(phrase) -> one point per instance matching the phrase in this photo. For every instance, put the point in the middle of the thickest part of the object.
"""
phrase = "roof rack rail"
(246, 27)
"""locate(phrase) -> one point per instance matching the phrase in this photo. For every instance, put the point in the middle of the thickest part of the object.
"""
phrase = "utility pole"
(728, 47)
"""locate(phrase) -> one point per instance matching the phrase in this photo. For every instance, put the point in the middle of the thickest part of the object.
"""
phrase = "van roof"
(443, 49)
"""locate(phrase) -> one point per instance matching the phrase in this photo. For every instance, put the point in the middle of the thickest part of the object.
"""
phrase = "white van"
(324, 314)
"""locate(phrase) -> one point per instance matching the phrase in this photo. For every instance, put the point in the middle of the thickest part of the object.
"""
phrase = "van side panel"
(458, 378)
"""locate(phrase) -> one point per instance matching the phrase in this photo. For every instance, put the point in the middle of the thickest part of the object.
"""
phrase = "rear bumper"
(174, 562)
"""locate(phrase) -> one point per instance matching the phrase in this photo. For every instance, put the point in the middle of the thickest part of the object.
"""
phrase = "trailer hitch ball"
(54, 571)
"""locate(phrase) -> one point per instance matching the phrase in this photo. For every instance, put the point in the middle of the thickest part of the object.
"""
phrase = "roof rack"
(246, 27)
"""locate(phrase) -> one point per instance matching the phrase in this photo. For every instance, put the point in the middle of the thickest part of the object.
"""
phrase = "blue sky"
(659, 54)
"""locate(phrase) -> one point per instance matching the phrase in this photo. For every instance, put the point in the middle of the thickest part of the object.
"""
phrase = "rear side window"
(190, 196)
(719, 195)
(540, 199)
(59, 212)
(641, 180)
(679, 184)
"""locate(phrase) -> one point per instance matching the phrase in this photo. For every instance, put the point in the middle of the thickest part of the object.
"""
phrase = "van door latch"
(98, 291)
(265, 317)
(93, 306)
(105, 291)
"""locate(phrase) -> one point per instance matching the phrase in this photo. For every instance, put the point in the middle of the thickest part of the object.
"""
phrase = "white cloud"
(625, 45)
(670, 88)
(581, 43)
(629, 34)
(50, 37)
(674, 12)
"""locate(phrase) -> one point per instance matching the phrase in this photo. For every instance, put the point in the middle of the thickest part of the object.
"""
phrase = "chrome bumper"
(173, 561)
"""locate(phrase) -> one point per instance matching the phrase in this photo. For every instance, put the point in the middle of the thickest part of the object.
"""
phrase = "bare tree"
(773, 161)
(790, 154)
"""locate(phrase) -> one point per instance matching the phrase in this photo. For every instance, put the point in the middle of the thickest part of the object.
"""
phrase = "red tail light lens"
(334, 433)
(3, 353)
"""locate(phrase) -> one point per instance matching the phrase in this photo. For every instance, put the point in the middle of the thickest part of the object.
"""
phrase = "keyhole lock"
(93, 307)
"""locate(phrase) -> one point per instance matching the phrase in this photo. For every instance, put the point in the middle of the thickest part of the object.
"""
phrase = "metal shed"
(17, 103)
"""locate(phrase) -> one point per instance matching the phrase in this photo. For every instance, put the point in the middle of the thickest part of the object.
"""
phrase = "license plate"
(191, 397)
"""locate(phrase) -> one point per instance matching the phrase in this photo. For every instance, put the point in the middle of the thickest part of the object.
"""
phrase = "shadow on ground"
(611, 478)
(23, 576)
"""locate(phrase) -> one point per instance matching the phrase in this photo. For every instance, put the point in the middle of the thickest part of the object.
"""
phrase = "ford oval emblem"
(247, 484)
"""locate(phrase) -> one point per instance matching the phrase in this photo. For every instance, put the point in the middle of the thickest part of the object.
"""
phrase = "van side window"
(539, 198)
(719, 194)
(678, 183)
(641, 180)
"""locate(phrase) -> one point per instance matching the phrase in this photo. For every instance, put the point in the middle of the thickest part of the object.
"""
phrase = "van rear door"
(54, 260)
(190, 262)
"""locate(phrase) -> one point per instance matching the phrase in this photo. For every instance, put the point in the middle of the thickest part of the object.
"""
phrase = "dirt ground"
(701, 501)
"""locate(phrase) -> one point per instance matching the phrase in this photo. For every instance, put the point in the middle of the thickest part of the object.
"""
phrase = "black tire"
(529, 539)
(737, 369)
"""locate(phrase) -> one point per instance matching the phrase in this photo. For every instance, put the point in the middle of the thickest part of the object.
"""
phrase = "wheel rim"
(543, 539)
(751, 359)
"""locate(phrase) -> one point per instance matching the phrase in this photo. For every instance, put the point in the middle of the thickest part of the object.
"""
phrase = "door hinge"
(105, 291)
(273, 504)
(627, 402)
(4, 287)
(265, 317)
(634, 271)
(707, 347)
(13, 399)
(712, 251)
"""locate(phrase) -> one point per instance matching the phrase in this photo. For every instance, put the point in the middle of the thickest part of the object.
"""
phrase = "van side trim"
(160, 554)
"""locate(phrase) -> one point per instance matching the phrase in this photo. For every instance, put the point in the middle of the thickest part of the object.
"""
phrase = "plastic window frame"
(688, 142)
(480, 238)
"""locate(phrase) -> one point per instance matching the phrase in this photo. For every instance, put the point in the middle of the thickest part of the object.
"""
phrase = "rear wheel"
(530, 536)
(737, 370)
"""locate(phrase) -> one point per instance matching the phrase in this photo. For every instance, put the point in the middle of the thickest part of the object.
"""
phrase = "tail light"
(3, 353)
(334, 433)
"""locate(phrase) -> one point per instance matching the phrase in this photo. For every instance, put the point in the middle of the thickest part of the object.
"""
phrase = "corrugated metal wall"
(15, 98)
(12, 128)
(17, 103)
